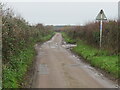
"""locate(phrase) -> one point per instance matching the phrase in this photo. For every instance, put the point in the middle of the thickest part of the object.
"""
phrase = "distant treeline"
(90, 34)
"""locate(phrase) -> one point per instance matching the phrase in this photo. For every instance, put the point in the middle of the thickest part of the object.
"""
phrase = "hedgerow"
(91, 34)
(18, 40)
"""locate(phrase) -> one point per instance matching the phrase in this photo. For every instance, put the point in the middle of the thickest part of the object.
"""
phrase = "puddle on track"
(43, 69)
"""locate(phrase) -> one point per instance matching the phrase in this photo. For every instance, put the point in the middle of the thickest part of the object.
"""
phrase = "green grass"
(46, 37)
(15, 70)
(98, 58)
(68, 39)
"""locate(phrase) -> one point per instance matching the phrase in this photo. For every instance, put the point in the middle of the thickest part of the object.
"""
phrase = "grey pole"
(101, 31)
(101, 16)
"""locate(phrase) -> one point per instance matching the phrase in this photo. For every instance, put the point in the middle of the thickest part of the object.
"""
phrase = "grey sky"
(64, 12)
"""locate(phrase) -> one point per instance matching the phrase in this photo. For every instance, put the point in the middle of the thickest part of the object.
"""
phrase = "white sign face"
(101, 16)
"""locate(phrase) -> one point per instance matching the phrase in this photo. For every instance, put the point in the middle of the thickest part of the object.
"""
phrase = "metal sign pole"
(101, 16)
(101, 32)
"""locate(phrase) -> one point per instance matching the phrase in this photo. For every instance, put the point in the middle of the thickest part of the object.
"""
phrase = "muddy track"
(58, 68)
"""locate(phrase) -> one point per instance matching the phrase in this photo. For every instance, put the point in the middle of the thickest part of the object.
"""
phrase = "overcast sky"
(63, 12)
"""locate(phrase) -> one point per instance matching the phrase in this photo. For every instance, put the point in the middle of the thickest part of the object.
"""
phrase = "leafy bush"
(18, 39)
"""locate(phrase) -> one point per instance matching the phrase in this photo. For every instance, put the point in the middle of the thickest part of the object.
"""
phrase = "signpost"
(101, 16)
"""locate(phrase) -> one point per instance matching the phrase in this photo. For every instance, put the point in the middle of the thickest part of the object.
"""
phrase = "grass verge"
(68, 39)
(97, 58)
(15, 70)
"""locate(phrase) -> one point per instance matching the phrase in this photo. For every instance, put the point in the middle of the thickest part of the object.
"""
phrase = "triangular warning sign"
(101, 16)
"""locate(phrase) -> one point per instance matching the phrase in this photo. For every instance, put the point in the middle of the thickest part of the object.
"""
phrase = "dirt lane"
(58, 68)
